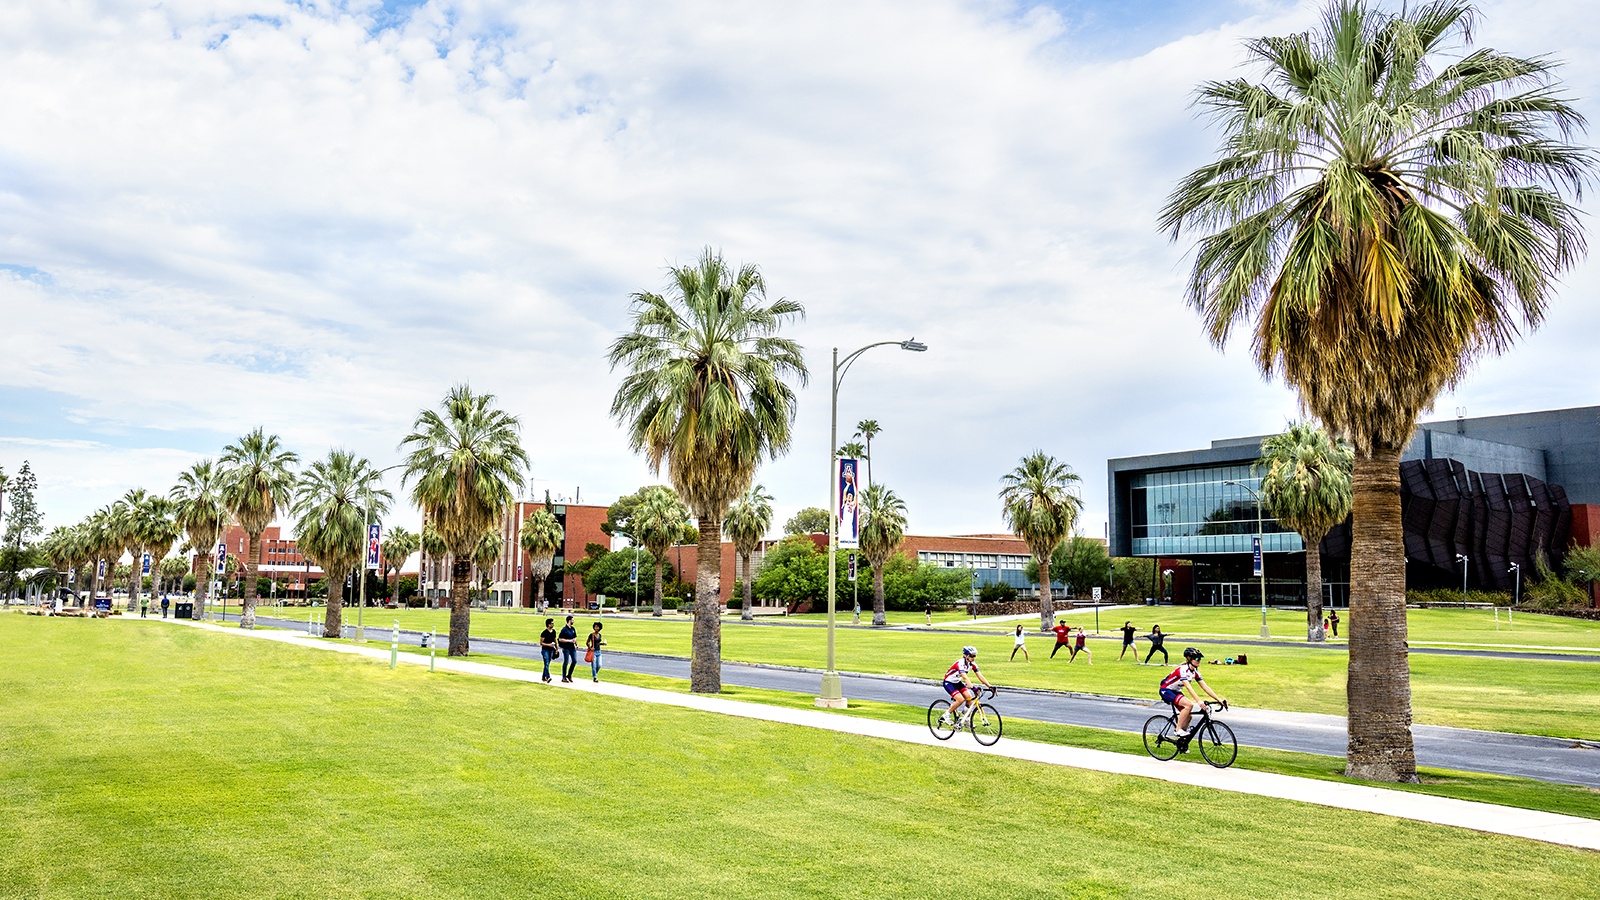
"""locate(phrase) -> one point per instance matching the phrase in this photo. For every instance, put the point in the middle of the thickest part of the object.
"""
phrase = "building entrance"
(1223, 594)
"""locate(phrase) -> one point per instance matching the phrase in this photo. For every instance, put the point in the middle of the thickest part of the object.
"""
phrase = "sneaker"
(1179, 735)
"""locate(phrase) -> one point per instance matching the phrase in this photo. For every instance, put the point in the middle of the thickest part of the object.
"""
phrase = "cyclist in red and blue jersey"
(958, 683)
(1173, 688)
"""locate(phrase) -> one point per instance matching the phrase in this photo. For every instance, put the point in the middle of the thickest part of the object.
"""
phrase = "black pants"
(1153, 649)
(1058, 647)
(569, 660)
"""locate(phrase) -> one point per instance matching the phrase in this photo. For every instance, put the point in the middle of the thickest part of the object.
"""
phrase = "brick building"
(280, 559)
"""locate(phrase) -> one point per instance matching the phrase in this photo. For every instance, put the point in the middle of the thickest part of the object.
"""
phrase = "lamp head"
(913, 345)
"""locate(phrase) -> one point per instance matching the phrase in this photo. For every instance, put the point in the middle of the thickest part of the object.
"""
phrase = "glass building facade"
(1195, 512)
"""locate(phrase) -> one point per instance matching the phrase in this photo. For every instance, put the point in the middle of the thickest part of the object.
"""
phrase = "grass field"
(140, 759)
(1523, 696)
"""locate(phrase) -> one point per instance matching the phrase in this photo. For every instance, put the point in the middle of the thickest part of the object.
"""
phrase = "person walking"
(594, 642)
(1063, 638)
(1078, 646)
(1333, 619)
(1020, 643)
(927, 613)
(1157, 639)
(567, 640)
(547, 646)
(1127, 641)
(166, 602)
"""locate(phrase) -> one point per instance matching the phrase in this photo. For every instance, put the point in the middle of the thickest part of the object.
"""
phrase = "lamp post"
(830, 696)
(361, 631)
(1259, 554)
(1461, 558)
(1516, 590)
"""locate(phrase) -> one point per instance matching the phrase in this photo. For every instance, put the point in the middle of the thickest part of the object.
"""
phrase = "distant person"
(547, 646)
(1127, 641)
(1063, 638)
(594, 642)
(144, 606)
(927, 613)
(165, 603)
(1078, 646)
(1019, 642)
(1333, 619)
(1325, 624)
(567, 640)
(1157, 640)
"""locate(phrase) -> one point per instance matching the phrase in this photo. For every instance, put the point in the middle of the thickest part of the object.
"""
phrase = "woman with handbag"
(594, 642)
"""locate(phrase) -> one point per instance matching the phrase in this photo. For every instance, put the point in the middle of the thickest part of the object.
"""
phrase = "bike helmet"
(1191, 653)
(969, 650)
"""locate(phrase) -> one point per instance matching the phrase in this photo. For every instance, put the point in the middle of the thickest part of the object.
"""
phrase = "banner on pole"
(100, 569)
(72, 575)
(849, 514)
(519, 571)
(374, 539)
(852, 567)
(144, 564)
(1255, 550)
(222, 558)
(633, 571)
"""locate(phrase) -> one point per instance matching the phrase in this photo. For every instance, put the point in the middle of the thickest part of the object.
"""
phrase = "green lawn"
(1523, 696)
(141, 759)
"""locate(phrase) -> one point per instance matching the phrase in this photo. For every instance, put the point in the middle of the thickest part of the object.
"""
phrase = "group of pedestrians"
(144, 606)
(564, 643)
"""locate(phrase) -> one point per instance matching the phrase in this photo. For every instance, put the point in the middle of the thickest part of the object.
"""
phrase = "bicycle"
(1217, 743)
(981, 719)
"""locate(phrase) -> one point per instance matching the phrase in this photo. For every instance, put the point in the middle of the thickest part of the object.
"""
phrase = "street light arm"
(844, 366)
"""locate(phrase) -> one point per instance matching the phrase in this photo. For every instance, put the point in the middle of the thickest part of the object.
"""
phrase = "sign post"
(1095, 592)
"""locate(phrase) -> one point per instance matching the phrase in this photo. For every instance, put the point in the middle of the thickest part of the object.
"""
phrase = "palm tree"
(101, 543)
(657, 523)
(866, 430)
(397, 548)
(203, 517)
(1041, 506)
(159, 529)
(881, 534)
(748, 521)
(541, 537)
(433, 547)
(1306, 485)
(1386, 208)
(490, 548)
(706, 392)
(852, 450)
(334, 499)
(465, 463)
(258, 481)
(125, 526)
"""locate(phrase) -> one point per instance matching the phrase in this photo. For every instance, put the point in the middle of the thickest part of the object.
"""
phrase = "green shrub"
(997, 592)
(1446, 596)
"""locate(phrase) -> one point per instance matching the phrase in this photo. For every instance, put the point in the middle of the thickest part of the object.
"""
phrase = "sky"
(316, 217)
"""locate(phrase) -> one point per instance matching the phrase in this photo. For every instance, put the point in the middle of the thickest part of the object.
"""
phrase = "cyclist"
(958, 683)
(1174, 685)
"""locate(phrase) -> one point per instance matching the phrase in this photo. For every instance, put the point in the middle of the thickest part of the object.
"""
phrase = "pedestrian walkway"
(1531, 824)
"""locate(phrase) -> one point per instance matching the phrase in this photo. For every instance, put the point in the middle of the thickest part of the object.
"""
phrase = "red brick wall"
(1585, 524)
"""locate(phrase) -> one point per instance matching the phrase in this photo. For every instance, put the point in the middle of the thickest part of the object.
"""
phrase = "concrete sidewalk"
(1531, 824)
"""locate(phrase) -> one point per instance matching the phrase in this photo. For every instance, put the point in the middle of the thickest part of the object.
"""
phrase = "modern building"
(1499, 491)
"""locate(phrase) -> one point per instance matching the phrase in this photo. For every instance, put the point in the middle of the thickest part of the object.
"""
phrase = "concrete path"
(1530, 824)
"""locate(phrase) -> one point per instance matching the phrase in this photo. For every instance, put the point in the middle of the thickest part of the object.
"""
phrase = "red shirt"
(1062, 633)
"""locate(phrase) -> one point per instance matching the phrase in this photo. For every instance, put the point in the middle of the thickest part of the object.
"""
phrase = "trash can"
(183, 611)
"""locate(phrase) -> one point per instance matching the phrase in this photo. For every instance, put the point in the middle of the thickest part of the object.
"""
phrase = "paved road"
(1559, 760)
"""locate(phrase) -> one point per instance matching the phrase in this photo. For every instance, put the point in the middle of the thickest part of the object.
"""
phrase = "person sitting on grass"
(1174, 686)
(958, 684)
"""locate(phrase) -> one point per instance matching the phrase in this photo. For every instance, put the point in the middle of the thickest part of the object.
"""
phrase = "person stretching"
(1063, 638)
(1078, 647)
(1020, 643)
(1127, 641)
(1156, 641)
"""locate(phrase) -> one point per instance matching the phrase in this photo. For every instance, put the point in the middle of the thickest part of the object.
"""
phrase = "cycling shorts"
(1169, 695)
(954, 687)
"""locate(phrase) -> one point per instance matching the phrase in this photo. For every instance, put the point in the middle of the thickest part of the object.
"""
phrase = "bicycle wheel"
(986, 725)
(941, 730)
(1217, 745)
(1158, 740)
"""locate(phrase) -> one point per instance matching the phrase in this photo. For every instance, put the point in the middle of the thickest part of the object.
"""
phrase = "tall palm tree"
(464, 463)
(881, 535)
(159, 529)
(749, 520)
(125, 524)
(102, 544)
(334, 499)
(1386, 208)
(397, 548)
(204, 518)
(1041, 505)
(541, 537)
(1305, 484)
(258, 481)
(657, 523)
(866, 430)
(706, 392)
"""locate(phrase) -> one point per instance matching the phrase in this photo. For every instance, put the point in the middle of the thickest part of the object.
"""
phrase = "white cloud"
(266, 213)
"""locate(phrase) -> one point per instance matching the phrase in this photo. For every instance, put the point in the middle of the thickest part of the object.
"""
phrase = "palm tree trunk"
(202, 584)
(1379, 681)
(538, 597)
(1047, 609)
(660, 564)
(460, 605)
(135, 579)
(879, 616)
(705, 663)
(252, 565)
(746, 613)
(1314, 632)
(333, 617)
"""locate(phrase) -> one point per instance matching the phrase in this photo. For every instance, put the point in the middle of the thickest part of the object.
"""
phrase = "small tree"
(811, 520)
(541, 538)
(1305, 484)
(24, 522)
(747, 523)
(881, 533)
(1041, 506)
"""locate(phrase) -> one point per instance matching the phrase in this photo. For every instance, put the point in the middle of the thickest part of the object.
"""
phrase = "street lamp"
(1460, 558)
(831, 696)
(361, 631)
(1259, 555)
(1516, 591)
